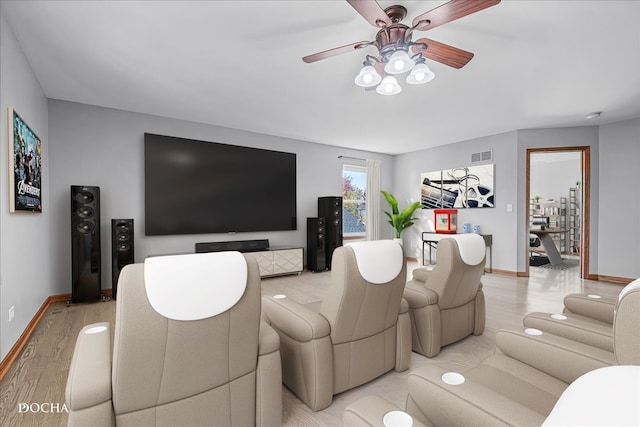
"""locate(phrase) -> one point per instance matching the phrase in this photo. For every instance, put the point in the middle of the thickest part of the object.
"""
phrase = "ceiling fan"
(394, 42)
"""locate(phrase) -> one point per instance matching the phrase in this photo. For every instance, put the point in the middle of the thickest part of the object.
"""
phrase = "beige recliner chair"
(446, 304)
(588, 401)
(586, 318)
(358, 332)
(521, 383)
(189, 349)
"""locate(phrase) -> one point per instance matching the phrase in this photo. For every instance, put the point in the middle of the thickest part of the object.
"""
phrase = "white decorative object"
(602, 397)
(471, 246)
(630, 287)
(397, 419)
(195, 286)
(532, 331)
(379, 261)
(453, 378)
(95, 330)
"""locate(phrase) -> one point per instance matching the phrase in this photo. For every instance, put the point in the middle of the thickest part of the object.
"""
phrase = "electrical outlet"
(12, 313)
(509, 207)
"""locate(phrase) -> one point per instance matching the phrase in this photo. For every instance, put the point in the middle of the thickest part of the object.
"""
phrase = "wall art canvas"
(469, 187)
(25, 166)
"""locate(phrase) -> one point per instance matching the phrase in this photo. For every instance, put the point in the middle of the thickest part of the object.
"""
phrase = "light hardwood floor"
(40, 372)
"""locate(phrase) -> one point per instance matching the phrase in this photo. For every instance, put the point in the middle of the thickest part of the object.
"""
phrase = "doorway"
(557, 196)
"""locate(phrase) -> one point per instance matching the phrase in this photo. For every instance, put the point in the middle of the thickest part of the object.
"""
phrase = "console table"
(271, 262)
(278, 261)
(432, 239)
(547, 243)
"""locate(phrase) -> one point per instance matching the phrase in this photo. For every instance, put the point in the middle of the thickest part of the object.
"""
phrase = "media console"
(271, 261)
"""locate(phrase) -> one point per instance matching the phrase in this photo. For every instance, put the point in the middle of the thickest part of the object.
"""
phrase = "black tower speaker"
(316, 244)
(121, 249)
(331, 209)
(86, 279)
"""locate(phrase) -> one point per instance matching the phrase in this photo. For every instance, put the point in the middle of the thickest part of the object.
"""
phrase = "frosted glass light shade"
(368, 77)
(389, 86)
(399, 63)
(420, 74)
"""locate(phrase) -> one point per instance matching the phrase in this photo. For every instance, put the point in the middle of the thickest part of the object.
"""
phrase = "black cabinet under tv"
(234, 245)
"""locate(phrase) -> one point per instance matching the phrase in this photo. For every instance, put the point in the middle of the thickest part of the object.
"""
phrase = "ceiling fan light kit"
(389, 86)
(368, 76)
(393, 41)
(420, 74)
(399, 62)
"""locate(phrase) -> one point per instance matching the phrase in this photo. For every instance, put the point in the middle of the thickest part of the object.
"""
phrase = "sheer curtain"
(373, 199)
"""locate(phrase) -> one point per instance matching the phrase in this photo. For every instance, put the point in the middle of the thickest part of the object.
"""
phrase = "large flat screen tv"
(197, 187)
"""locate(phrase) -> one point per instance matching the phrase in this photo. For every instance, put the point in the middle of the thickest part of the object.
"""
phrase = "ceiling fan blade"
(450, 11)
(335, 51)
(371, 11)
(443, 53)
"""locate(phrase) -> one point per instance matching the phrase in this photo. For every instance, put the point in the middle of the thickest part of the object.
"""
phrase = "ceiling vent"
(482, 156)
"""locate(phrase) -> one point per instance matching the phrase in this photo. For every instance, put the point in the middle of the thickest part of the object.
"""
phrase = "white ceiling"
(238, 64)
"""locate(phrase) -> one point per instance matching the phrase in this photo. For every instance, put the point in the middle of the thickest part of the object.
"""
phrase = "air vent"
(482, 156)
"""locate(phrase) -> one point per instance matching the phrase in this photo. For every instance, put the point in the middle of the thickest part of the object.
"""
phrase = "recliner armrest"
(418, 296)
(268, 339)
(421, 274)
(560, 357)
(88, 390)
(404, 306)
(601, 309)
(268, 378)
(469, 403)
(294, 319)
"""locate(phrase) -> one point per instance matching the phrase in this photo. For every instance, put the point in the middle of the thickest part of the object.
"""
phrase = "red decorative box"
(446, 220)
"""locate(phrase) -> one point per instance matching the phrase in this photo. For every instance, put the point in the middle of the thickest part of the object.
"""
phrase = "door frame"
(585, 217)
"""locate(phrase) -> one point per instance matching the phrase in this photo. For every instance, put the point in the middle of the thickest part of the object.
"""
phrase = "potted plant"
(400, 220)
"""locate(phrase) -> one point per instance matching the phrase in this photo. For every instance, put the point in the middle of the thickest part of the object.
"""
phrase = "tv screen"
(196, 187)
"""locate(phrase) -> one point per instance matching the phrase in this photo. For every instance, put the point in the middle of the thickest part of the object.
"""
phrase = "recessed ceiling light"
(593, 115)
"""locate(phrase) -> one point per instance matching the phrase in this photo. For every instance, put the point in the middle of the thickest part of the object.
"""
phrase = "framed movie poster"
(470, 187)
(25, 166)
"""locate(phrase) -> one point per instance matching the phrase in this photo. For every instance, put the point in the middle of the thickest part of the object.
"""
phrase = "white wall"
(618, 141)
(619, 224)
(551, 179)
(25, 264)
(496, 221)
(99, 146)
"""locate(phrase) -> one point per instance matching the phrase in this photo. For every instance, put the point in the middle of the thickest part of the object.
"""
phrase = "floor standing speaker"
(86, 282)
(331, 209)
(316, 244)
(122, 250)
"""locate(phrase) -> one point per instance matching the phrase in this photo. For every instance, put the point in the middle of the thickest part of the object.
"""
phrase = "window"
(354, 201)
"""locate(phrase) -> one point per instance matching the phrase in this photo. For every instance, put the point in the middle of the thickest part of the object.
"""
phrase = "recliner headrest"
(195, 286)
(630, 287)
(471, 247)
(378, 261)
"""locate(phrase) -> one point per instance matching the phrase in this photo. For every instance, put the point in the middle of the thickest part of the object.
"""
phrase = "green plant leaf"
(400, 220)
(393, 202)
